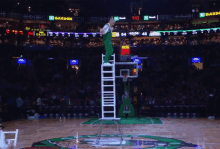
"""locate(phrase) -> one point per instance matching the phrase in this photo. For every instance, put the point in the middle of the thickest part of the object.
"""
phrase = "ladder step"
(108, 101)
(108, 85)
(108, 111)
(108, 97)
(108, 92)
(108, 78)
(111, 65)
(107, 71)
(109, 105)
(111, 55)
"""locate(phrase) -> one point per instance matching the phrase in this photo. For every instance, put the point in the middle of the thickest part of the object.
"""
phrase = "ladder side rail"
(102, 82)
(114, 95)
(114, 88)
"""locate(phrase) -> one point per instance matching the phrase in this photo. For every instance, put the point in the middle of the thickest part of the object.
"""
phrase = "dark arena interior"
(128, 74)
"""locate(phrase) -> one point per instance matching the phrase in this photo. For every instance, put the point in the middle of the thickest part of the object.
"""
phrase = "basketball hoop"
(125, 78)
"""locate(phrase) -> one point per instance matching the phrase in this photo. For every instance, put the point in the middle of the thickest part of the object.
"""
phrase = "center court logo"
(140, 141)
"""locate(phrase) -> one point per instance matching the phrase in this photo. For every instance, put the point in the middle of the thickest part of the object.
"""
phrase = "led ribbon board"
(136, 18)
(184, 32)
(126, 34)
(41, 33)
(57, 18)
(208, 14)
(115, 34)
(117, 18)
(146, 18)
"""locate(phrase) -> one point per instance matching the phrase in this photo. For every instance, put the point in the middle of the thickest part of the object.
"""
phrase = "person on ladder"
(106, 31)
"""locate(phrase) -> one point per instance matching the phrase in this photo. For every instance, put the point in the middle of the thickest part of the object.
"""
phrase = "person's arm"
(104, 30)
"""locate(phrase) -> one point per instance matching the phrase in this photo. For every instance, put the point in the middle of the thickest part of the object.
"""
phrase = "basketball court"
(171, 133)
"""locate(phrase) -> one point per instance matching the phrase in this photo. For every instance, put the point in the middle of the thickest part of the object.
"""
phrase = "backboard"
(128, 68)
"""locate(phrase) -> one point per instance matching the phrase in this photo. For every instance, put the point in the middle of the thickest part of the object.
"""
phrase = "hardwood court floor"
(197, 131)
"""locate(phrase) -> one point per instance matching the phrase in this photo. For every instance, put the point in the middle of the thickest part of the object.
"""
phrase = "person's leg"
(109, 50)
(106, 59)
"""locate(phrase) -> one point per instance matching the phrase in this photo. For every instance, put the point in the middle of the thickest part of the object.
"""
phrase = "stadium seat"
(165, 111)
(168, 111)
(75, 112)
(98, 111)
(194, 111)
(86, 111)
(187, 111)
(160, 111)
(174, 110)
(80, 109)
(41, 111)
(204, 109)
(181, 111)
(92, 110)
(199, 111)
(46, 112)
(51, 109)
(57, 112)
(156, 111)
(68, 112)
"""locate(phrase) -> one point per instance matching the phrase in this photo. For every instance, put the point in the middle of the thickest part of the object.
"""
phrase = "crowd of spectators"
(154, 27)
(63, 42)
(167, 78)
(65, 28)
(118, 27)
(177, 41)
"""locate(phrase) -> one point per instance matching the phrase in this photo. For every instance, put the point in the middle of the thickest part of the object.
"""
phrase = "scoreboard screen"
(74, 62)
(196, 60)
(21, 61)
(125, 50)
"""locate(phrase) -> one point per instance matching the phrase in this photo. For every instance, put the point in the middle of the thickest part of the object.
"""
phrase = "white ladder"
(108, 97)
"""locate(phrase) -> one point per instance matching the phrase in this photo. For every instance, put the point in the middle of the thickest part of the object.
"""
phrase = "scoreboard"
(125, 50)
